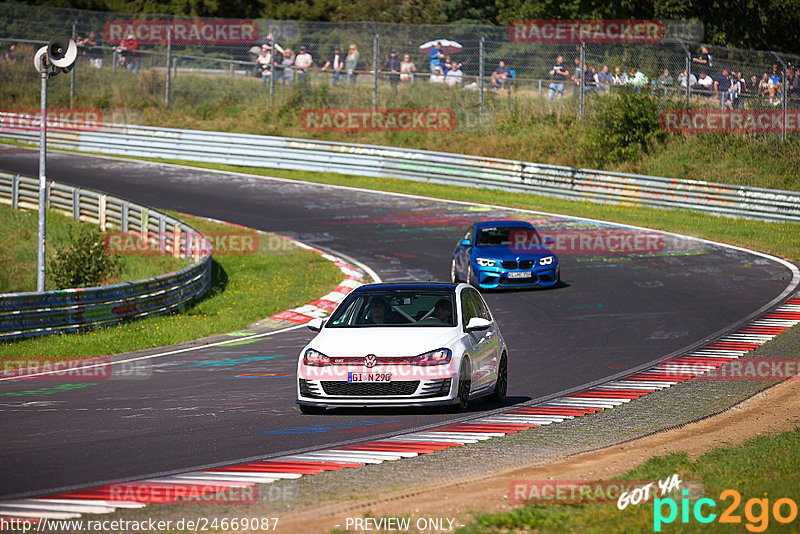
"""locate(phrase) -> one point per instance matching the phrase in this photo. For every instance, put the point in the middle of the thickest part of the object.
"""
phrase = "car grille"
(509, 264)
(519, 281)
(527, 264)
(435, 388)
(370, 389)
(309, 388)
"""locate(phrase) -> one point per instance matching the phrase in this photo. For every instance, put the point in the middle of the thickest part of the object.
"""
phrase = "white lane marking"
(19, 512)
(180, 480)
(100, 502)
(330, 458)
(86, 508)
(270, 474)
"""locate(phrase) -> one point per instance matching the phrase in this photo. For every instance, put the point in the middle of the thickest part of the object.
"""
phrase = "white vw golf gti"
(416, 344)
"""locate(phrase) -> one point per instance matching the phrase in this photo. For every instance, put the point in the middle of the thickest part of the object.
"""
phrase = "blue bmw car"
(504, 254)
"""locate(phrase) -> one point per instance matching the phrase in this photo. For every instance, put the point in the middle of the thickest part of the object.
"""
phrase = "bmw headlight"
(485, 262)
(434, 357)
(547, 260)
(314, 358)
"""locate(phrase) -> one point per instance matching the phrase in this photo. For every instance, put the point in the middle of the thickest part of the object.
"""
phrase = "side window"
(468, 308)
(480, 305)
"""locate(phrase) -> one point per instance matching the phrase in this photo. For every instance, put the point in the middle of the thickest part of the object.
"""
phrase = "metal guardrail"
(34, 314)
(419, 165)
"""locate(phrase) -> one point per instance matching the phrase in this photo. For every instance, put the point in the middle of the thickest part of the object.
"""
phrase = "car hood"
(506, 252)
(383, 341)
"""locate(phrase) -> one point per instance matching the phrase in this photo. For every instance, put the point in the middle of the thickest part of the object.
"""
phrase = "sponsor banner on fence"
(134, 244)
(378, 120)
(26, 120)
(604, 241)
(183, 31)
(729, 121)
(587, 31)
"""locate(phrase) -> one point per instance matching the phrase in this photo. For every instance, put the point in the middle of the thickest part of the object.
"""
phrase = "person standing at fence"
(721, 85)
(620, 77)
(128, 52)
(407, 69)
(302, 63)
(776, 85)
(454, 75)
(436, 56)
(437, 76)
(265, 62)
(704, 61)
(682, 79)
(558, 75)
(351, 63)
(93, 46)
(336, 63)
(287, 64)
(392, 66)
(500, 75)
(604, 80)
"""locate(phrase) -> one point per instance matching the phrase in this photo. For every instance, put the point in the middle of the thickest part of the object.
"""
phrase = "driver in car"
(381, 313)
(443, 311)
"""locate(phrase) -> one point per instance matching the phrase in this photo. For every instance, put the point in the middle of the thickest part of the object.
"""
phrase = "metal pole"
(375, 70)
(72, 75)
(169, 66)
(688, 73)
(783, 95)
(271, 67)
(583, 76)
(40, 258)
(481, 60)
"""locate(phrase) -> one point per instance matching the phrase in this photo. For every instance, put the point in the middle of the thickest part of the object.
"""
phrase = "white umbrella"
(448, 47)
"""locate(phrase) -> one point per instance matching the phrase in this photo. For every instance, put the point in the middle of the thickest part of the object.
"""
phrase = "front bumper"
(497, 277)
(332, 393)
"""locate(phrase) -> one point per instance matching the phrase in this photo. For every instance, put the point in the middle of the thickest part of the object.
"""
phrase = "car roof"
(407, 286)
(488, 224)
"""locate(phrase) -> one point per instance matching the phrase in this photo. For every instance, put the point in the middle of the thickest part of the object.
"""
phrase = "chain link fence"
(129, 61)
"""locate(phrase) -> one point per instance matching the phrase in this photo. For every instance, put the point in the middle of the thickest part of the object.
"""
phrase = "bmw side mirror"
(465, 243)
(315, 324)
(478, 323)
(548, 240)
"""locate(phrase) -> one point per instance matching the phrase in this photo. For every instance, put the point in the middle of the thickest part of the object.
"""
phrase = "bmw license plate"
(369, 377)
(522, 274)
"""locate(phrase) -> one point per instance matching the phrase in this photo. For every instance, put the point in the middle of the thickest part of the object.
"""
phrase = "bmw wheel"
(454, 273)
(501, 387)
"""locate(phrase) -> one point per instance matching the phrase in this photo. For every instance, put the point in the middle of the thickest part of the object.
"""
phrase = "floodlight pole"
(40, 257)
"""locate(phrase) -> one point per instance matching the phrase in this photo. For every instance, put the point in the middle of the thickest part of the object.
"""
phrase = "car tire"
(453, 273)
(464, 386)
(501, 386)
(311, 410)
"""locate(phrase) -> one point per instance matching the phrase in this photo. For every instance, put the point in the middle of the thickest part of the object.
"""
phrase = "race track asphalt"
(612, 313)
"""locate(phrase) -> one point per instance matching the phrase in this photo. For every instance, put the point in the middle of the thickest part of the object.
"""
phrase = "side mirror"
(315, 324)
(478, 323)
(548, 240)
(465, 243)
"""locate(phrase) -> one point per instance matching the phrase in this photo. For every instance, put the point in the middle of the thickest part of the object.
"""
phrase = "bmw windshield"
(506, 235)
(395, 308)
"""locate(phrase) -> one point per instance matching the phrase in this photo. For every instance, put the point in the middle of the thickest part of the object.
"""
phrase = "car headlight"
(434, 357)
(485, 262)
(547, 260)
(314, 358)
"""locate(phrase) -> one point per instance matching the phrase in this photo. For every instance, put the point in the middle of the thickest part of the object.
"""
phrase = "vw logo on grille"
(370, 360)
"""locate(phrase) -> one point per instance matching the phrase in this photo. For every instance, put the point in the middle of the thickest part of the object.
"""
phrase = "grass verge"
(763, 468)
(245, 289)
(18, 252)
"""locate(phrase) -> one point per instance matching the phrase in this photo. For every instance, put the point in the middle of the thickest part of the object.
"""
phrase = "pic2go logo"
(756, 511)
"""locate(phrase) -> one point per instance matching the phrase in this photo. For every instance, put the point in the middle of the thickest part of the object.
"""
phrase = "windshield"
(506, 235)
(395, 308)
